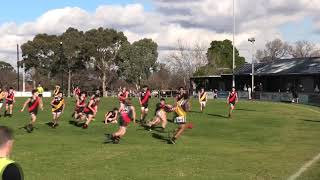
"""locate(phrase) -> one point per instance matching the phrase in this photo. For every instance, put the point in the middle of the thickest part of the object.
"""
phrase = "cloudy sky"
(165, 21)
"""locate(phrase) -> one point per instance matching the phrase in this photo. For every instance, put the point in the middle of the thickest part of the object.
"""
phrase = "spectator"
(10, 170)
(249, 92)
(316, 90)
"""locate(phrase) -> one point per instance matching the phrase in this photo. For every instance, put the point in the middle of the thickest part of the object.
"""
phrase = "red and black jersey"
(144, 97)
(123, 96)
(93, 106)
(77, 91)
(232, 97)
(34, 104)
(82, 103)
(10, 97)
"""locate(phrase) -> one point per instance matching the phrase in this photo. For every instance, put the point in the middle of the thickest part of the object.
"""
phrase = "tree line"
(98, 55)
(278, 49)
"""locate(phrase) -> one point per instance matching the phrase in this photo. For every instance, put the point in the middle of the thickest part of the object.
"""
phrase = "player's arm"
(63, 105)
(116, 116)
(140, 100)
(14, 99)
(107, 115)
(90, 106)
(25, 104)
(237, 99)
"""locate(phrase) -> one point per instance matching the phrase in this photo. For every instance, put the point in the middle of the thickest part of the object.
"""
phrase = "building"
(279, 76)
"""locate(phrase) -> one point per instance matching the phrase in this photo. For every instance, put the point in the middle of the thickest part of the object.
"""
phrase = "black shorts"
(233, 103)
(9, 102)
(89, 113)
(79, 109)
(123, 123)
(35, 112)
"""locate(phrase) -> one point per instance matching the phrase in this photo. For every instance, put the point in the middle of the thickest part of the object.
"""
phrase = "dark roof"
(283, 67)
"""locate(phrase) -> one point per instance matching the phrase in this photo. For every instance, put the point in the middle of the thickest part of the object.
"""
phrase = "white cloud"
(170, 21)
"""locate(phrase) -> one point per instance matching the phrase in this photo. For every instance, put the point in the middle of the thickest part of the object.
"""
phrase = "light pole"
(252, 40)
(18, 67)
(233, 42)
(61, 65)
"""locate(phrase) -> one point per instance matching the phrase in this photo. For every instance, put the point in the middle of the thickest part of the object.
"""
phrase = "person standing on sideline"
(249, 93)
(202, 99)
(40, 90)
(10, 170)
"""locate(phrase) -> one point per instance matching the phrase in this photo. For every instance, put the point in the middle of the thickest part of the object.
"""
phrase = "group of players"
(124, 114)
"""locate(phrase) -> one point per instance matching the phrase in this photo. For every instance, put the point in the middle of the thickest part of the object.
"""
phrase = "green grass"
(263, 141)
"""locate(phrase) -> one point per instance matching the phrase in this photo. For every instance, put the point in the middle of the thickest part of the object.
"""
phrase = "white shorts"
(203, 103)
(1, 104)
(144, 109)
(160, 113)
(180, 120)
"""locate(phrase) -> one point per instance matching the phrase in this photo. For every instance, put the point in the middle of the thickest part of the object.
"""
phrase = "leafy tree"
(137, 60)
(102, 47)
(39, 55)
(220, 57)
(72, 48)
(4, 66)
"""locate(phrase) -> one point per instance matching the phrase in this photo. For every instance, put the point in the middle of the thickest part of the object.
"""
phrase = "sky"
(165, 21)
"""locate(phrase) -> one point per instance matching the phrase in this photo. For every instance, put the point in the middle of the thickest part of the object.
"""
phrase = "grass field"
(263, 141)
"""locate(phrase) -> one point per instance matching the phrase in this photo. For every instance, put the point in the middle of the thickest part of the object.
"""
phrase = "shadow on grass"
(76, 124)
(161, 137)
(244, 109)
(196, 112)
(309, 120)
(218, 115)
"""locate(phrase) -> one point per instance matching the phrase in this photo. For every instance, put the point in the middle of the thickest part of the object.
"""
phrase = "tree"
(304, 49)
(4, 66)
(72, 45)
(220, 56)
(274, 50)
(137, 60)
(7, 74)
(39, 55)
(185, 60)
(102, 46)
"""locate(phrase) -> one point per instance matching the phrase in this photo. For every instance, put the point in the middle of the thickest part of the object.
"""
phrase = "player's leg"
(1, 105)
(182, 127)
(6, 110)
(89, 119)
(56, 119)
(10, 109)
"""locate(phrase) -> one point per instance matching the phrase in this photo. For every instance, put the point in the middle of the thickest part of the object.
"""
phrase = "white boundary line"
(304, 167)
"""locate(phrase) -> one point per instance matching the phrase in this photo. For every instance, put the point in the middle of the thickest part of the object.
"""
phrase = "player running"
(127, 114)
(143, 100)
(232, 100)
(123, 96)
(33, 103)
(202, 99)
(181, 108)
(2, 98)
(80, 105)
(58, 105)
(10, 100)
(111, 116)
(161, 115)
(91, 110)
